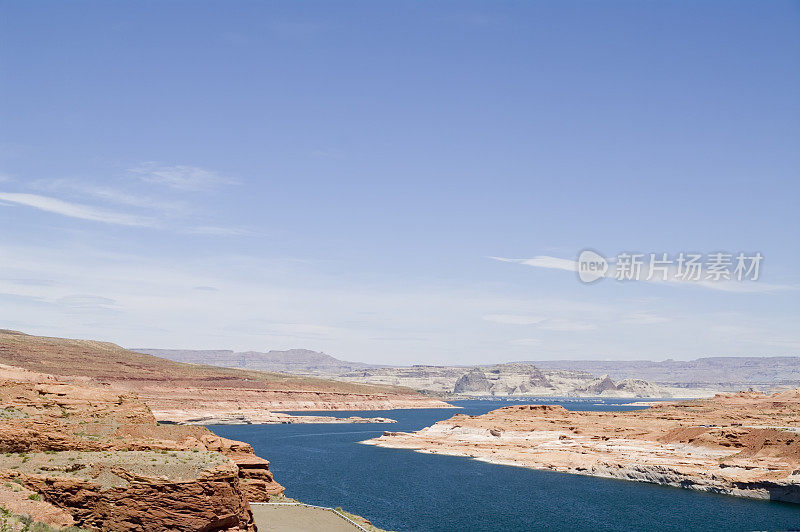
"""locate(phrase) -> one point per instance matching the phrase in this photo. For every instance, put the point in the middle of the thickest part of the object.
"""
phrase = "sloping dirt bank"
(182, 392)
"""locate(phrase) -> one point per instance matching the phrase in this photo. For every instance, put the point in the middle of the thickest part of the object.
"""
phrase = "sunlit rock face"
(745, 444)
(474, 381)
(96, 458)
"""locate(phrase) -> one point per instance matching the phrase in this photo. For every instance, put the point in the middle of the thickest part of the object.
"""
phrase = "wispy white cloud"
(303, 330)
(112, 195)
(76, 210)
(544, 261)
(566, 325)
(212, 230)
(328, 153)
(29, 282)
(123, 203)
(526, 341)
(181, 177)
(83, 302)
(541, 322)
(514, 319)
(260, 305)
(643, 318)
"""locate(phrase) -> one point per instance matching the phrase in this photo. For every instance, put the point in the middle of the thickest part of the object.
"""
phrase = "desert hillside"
(177, 391)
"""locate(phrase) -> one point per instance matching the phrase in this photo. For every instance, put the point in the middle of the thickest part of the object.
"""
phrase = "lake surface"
(399, 489)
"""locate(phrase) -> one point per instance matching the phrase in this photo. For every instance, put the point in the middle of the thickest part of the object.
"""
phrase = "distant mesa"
(721, 373)
(571, 378)
(473, 381)
(289, 361)
(603, 384)
(505, 379)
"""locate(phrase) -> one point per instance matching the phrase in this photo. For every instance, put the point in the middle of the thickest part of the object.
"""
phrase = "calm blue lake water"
(399, 489)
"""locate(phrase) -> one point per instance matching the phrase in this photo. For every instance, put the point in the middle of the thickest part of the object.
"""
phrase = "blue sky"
(267, 175)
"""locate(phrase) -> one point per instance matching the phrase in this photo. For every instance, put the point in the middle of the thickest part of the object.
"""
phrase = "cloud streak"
(257, 306)
(541, 322)
(544, 261)
(213, 230)
(132, 202)
(514, 319)
(112, 195)
(180, 177)
(556, 263)
(76, 210)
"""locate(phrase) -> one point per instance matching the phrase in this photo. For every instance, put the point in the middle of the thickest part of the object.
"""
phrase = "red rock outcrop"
(99, 455)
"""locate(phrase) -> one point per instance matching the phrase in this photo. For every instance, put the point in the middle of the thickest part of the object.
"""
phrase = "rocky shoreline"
(746, 445)
(77, 455)
(259, 418)
(226, 406)
(84, 440)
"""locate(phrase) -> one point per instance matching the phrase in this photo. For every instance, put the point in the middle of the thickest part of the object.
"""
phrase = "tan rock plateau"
(745, 444)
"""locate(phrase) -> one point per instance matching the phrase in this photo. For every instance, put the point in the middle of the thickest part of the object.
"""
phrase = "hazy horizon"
(532, 361)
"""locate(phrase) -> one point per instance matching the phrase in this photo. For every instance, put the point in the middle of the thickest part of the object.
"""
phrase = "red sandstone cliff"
(98, 459)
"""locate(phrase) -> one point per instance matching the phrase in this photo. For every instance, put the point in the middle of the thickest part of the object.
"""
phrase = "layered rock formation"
(514, 379)
(96, 458)
(181, 392)
(473, 381)
(720, 373)
(745, 444)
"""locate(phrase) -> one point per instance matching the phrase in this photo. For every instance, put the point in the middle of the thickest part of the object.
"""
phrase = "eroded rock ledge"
(96, 458)
(745, 444)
